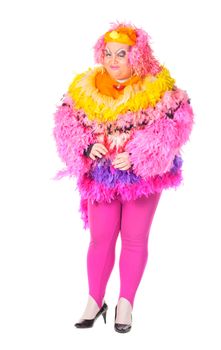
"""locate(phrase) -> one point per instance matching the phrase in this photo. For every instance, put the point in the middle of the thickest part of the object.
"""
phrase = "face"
(116, 60)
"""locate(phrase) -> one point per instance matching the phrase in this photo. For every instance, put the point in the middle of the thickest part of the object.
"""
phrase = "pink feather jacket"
(152, 133)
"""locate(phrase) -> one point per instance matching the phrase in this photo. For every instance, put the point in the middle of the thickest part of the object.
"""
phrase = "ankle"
(125, 304)
(91, 308)
(124, 311)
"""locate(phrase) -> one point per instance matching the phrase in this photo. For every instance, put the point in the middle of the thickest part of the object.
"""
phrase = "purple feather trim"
(99, 192)
(104, 173)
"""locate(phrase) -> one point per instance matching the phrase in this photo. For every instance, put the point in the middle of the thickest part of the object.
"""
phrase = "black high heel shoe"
(88, 323)
(121, 327)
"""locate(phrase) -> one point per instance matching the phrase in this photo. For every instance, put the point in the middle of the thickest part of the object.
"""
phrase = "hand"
(98, 150)
(122, 161)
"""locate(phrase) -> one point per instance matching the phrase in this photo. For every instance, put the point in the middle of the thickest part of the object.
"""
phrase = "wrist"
(88, 150)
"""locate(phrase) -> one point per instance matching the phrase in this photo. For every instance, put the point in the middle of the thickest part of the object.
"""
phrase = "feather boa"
(104, 108)
(153, 149)
(71, 140)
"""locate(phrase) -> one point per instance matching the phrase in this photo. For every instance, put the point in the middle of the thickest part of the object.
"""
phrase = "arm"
(72, 138)
(153, 148)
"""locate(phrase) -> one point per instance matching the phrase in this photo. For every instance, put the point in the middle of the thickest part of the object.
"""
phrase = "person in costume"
(119, 130)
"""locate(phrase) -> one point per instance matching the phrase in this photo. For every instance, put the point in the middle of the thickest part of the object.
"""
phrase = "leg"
(137, 217)
(104, 223)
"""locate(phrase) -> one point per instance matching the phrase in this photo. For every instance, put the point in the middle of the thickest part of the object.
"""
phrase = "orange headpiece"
(123, 35)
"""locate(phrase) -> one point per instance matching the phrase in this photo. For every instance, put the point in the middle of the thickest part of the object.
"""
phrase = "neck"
(122, 80)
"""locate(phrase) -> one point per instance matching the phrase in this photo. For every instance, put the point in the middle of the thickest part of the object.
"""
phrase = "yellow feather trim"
(135, 97)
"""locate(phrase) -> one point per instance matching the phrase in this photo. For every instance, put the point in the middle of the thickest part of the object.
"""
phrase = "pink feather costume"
(152, 135)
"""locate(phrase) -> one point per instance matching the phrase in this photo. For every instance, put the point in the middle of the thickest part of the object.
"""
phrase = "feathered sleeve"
(152, 149)
(72, 138)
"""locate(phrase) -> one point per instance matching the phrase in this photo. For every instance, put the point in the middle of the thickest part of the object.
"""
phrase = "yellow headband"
(121, 35)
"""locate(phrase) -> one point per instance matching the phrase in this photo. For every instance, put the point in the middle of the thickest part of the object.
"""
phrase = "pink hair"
(140, 56)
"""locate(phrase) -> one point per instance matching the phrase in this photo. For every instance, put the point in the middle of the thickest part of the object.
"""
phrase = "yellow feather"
(105, 108)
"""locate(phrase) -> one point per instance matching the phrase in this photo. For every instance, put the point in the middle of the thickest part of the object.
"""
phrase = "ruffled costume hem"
(90, 189)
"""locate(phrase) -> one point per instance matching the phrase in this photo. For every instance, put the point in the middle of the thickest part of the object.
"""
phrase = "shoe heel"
(105, 316)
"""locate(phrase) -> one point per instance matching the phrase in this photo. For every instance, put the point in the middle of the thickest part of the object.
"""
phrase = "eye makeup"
(121, 53)
(107, 52)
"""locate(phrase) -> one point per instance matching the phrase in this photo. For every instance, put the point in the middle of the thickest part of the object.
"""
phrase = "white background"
(43, 245)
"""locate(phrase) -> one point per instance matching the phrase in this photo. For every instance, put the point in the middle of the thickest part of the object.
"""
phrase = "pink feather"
(153, 149)
(71, 140)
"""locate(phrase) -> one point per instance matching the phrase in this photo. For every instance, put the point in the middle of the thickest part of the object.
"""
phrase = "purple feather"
(177, 163)
(104, 173)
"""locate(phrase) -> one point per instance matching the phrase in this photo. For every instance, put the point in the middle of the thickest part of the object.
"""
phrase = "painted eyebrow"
(119, 50)
(124, 50)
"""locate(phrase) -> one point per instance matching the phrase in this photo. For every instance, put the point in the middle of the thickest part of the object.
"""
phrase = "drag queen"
(119, 129)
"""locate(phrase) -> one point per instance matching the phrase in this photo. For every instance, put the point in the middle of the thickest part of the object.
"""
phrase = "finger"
(121, 157)
(104, 148)
(117, 160)
(125, 167)
(101, 149)
(121, 161)
(92, 156)
(100, 146)
(120, 165)
(97, 154)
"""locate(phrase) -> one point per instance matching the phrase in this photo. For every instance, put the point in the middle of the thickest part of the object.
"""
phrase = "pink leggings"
(133, 219)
